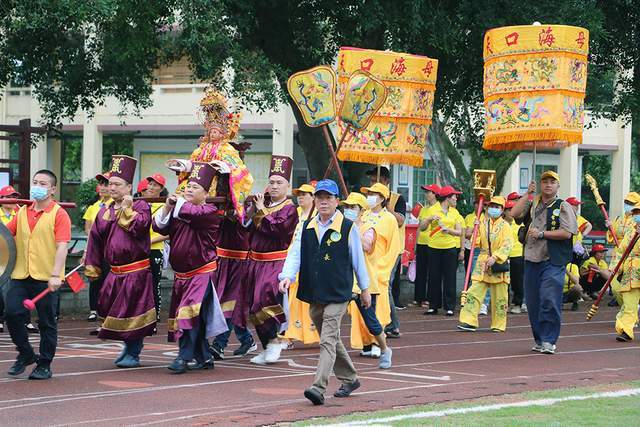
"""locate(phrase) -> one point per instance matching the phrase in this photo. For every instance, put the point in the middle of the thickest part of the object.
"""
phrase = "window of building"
(422, 176)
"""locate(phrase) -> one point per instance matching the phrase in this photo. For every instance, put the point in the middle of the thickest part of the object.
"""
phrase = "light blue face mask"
(351, 214)
(494, 212)
(636, 218)
(38, 193)
(627, 208)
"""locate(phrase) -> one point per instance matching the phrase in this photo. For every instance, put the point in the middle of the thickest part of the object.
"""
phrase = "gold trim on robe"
(266, 313)
(127, 324)
(92, 272)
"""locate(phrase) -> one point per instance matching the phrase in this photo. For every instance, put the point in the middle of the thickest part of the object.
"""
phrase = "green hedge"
(85, 196)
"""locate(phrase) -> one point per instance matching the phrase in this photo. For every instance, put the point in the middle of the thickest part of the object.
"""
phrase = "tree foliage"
(77, 53)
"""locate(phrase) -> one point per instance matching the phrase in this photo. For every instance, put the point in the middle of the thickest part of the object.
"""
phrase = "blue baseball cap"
(328, 186)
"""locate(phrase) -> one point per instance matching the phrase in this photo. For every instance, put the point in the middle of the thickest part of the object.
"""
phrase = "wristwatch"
(541, 235)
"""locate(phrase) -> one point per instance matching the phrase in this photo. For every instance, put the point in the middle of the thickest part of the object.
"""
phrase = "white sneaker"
(272, 353)
(385, 359)
(287, 345)
(375, 352)
(483, 310)
(523, 307)
(259, 359)
(516, 309)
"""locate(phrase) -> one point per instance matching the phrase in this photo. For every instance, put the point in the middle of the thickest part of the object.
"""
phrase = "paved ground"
(432, 363)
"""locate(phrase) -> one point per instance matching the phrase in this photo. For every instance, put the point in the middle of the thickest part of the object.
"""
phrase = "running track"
(432, 363)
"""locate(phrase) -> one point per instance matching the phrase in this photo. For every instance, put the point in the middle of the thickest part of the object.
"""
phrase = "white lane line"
(449, 372)
(91, 395)
(486, 408)
(423, 377)
(390, 379)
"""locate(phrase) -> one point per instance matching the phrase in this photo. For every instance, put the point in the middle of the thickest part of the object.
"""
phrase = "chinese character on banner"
(581, 39)
(398, 67)
(512, 39)
(489, 45)
(546, 37)
(366, 64)
(428, 68)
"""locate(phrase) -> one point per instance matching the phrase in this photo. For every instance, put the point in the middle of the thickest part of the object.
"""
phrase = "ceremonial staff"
(484, 186)
(594, 308)
(66, 205)
(596, 194)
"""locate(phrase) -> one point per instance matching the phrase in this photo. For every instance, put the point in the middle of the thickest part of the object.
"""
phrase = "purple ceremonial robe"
(231, 286)
(269, 233)
(192, 235)
(126, 298)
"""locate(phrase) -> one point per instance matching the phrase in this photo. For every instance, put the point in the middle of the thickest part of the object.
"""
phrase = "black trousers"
(395, 283)
(18, 316)
(517, 279)
(441, 292)
(422, 272)
(157, 259)
(596, 284)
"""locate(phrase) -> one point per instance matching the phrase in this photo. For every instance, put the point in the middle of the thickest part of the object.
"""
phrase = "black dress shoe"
(346, 389)
(178, 366)
(21, 364)
(314, 396)
(40, 372)
(197, 366)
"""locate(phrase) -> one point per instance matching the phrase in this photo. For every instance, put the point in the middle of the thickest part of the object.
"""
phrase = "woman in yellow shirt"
(422, 247)
(444, 231)
(594, 272)
(496, 242)
(300, 326)
(622, 224)
(516, 261)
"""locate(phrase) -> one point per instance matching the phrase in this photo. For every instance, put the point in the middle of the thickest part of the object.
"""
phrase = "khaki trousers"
(333, 354)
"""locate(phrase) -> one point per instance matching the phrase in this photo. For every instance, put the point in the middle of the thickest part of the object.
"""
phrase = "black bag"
(524, 230)
(496, 267)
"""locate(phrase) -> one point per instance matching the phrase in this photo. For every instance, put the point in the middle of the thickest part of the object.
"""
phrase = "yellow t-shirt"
(460, 220)
(438, 239)
(6, 218)
(581, 222)
(517, 249)
(592, 261)
(573, 269)
(92, 210)
(423, 236)
(155, 208)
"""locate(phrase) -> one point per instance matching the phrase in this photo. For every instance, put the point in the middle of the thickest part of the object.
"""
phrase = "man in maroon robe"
(192, 227)
(120, 237)
(272, 226)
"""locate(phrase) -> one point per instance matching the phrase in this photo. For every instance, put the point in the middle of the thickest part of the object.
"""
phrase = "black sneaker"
(392, 333)
(245, 348)
(31, 328)
(431, 311)
(401, 307)
(216, 351)
(40, 372)
(346, 389)
(199, 366)
(314, 396)
(613, 303)
(623, 337)
(21, 364)
(466, 327)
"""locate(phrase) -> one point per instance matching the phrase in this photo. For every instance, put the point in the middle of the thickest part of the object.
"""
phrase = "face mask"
(636, 218)
(38, 193)
(494, 212)
(351, 214)
(627, 208)
(372, 201)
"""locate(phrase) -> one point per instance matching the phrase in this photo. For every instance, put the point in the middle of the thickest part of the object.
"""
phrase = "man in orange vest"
(42, 232)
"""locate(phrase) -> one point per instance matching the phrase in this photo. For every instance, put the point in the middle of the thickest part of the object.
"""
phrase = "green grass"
(614, 411)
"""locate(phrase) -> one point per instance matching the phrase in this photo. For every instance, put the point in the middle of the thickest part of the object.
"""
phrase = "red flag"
(75, 282)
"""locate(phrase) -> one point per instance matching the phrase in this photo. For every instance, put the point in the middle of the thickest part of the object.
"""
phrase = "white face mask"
(372, 201)
(351, 214)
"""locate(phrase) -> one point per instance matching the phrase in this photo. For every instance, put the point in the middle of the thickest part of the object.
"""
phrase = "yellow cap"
(498, 200)
(304, 188)
(550, 174)
(632, 197)
(376, 188)
(356, 199)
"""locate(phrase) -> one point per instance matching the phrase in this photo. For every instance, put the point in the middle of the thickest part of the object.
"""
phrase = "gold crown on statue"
(216, 113)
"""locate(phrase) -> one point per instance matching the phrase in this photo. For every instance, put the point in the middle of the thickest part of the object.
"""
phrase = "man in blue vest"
(548, 249)
(327, 253)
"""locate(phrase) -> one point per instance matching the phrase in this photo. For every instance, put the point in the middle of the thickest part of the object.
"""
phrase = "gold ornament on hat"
(214, 113)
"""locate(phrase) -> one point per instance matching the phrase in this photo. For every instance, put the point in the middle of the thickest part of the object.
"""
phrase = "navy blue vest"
(326, 272)
(560, 251)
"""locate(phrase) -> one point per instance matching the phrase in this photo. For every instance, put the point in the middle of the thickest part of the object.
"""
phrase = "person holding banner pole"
(42, 232)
